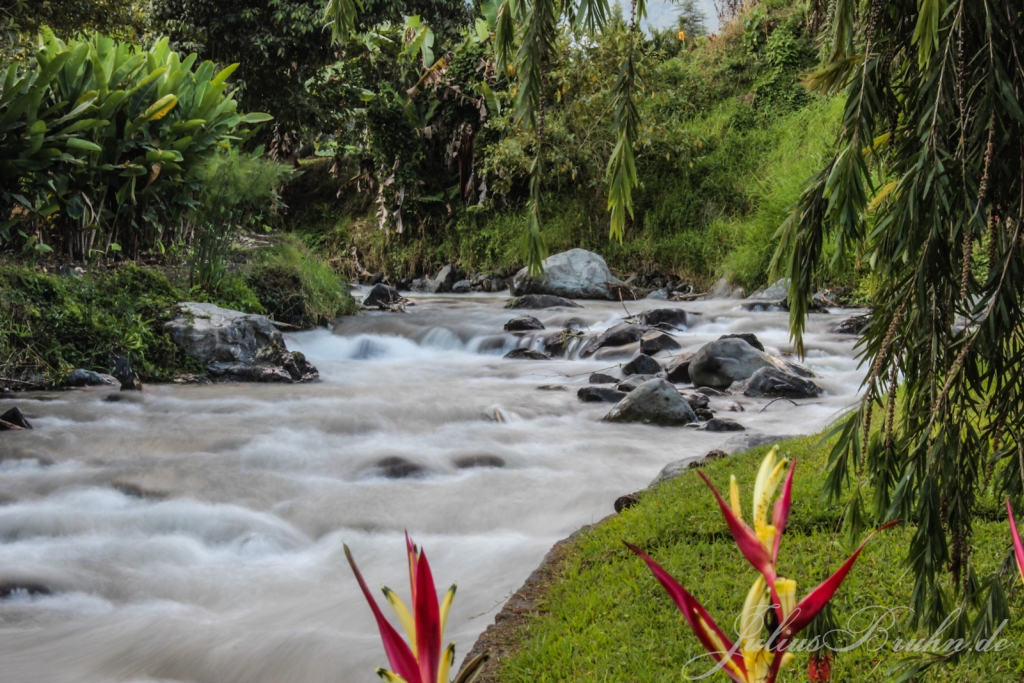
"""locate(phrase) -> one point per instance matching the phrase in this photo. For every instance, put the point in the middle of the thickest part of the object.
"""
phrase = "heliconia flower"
(1018, 547)
(754, 659)
(421, 659)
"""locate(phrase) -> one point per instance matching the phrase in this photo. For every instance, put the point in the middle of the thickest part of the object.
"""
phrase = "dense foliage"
(99, 143)
(925, 188)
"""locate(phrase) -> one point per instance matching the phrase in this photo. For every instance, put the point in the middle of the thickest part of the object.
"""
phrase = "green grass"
(296, 287)
(606, 618)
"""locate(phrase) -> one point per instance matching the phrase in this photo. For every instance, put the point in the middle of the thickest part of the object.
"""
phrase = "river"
(195, 533)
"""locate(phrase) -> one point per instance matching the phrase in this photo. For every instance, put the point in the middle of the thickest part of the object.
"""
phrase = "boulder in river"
(537, 301)
(14, 419)
(523, 324)
(527, 354)
(462, 287)
(747, 337)
(779, 290)
(774, 383)
(619, 335)
(88, 378)
(236, 345)
(600, 394)
(654, 341)
(641, 365)
(666, 317)
(653, 402)
(601, 378)
(383, 297)
(720, 363)
(576, 274)
(679, 371)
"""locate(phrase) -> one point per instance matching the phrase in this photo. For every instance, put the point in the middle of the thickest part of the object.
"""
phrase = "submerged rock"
(576, 274)
(774, 383)
(718, 424)
(88, 378)
(523, 324)
(600, 394)
(527, 354)
(537, 301)
(467, 462)
(854, 325)
(238, 346)
(11, 588)
(653, 402)
(394, 467)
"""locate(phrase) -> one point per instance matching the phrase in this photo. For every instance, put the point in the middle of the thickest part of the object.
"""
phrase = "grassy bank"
(51, 324)
(605, 618)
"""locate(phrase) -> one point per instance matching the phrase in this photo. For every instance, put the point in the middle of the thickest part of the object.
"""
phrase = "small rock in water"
(523, 324)
(654, 402)
(575, 324)
(553, 387)
(697, 400)
(498, 285)
(535, 301)
(601, 378)
(853, 325)
(703, 414)
(619, 335)
(383, 297)
(720, 425)
(394, 467)
(720, 363)
(462, 287)
(626, 502)
(774, 383)
(708, 391)
(599, 394)
(467, 462)
(87, 378)
(747, 337)
(527, 354)
(641, 365)
(634, 381)
(128, 378)
(679, 371)
(666, 317)
(15, 418)
(654, 341)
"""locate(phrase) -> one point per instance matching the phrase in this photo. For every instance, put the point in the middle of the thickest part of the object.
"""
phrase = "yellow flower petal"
(390, 677)
(404, 616)
(786, 589)
(446, 604)
(752, 617)
(446, 664)
(734, 498)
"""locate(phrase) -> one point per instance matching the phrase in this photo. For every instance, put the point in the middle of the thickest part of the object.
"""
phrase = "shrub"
(100, 141)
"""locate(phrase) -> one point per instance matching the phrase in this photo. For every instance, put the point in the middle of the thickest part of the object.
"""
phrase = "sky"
(663, 13)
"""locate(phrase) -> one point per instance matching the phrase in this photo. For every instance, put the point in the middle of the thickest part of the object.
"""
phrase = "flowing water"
(195, 533)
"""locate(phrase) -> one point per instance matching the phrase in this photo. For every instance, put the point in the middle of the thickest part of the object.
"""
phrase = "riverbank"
(593, 612)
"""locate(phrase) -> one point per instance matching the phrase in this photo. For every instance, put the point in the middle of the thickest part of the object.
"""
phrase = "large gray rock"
(89, 378)
(653, 402)
(574, 274)
(236, 345)
(383, 297)
(537, 301)
(666, 318)
(779, 290)
(774, 383)
(641, 365)
(720, 363)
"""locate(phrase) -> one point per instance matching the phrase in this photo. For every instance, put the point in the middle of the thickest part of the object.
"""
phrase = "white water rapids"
(196, 534)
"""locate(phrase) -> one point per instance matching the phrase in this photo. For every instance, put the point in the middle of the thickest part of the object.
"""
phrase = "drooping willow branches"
(926, 187)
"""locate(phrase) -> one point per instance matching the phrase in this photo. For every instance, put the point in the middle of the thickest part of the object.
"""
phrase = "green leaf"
(85, 145)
